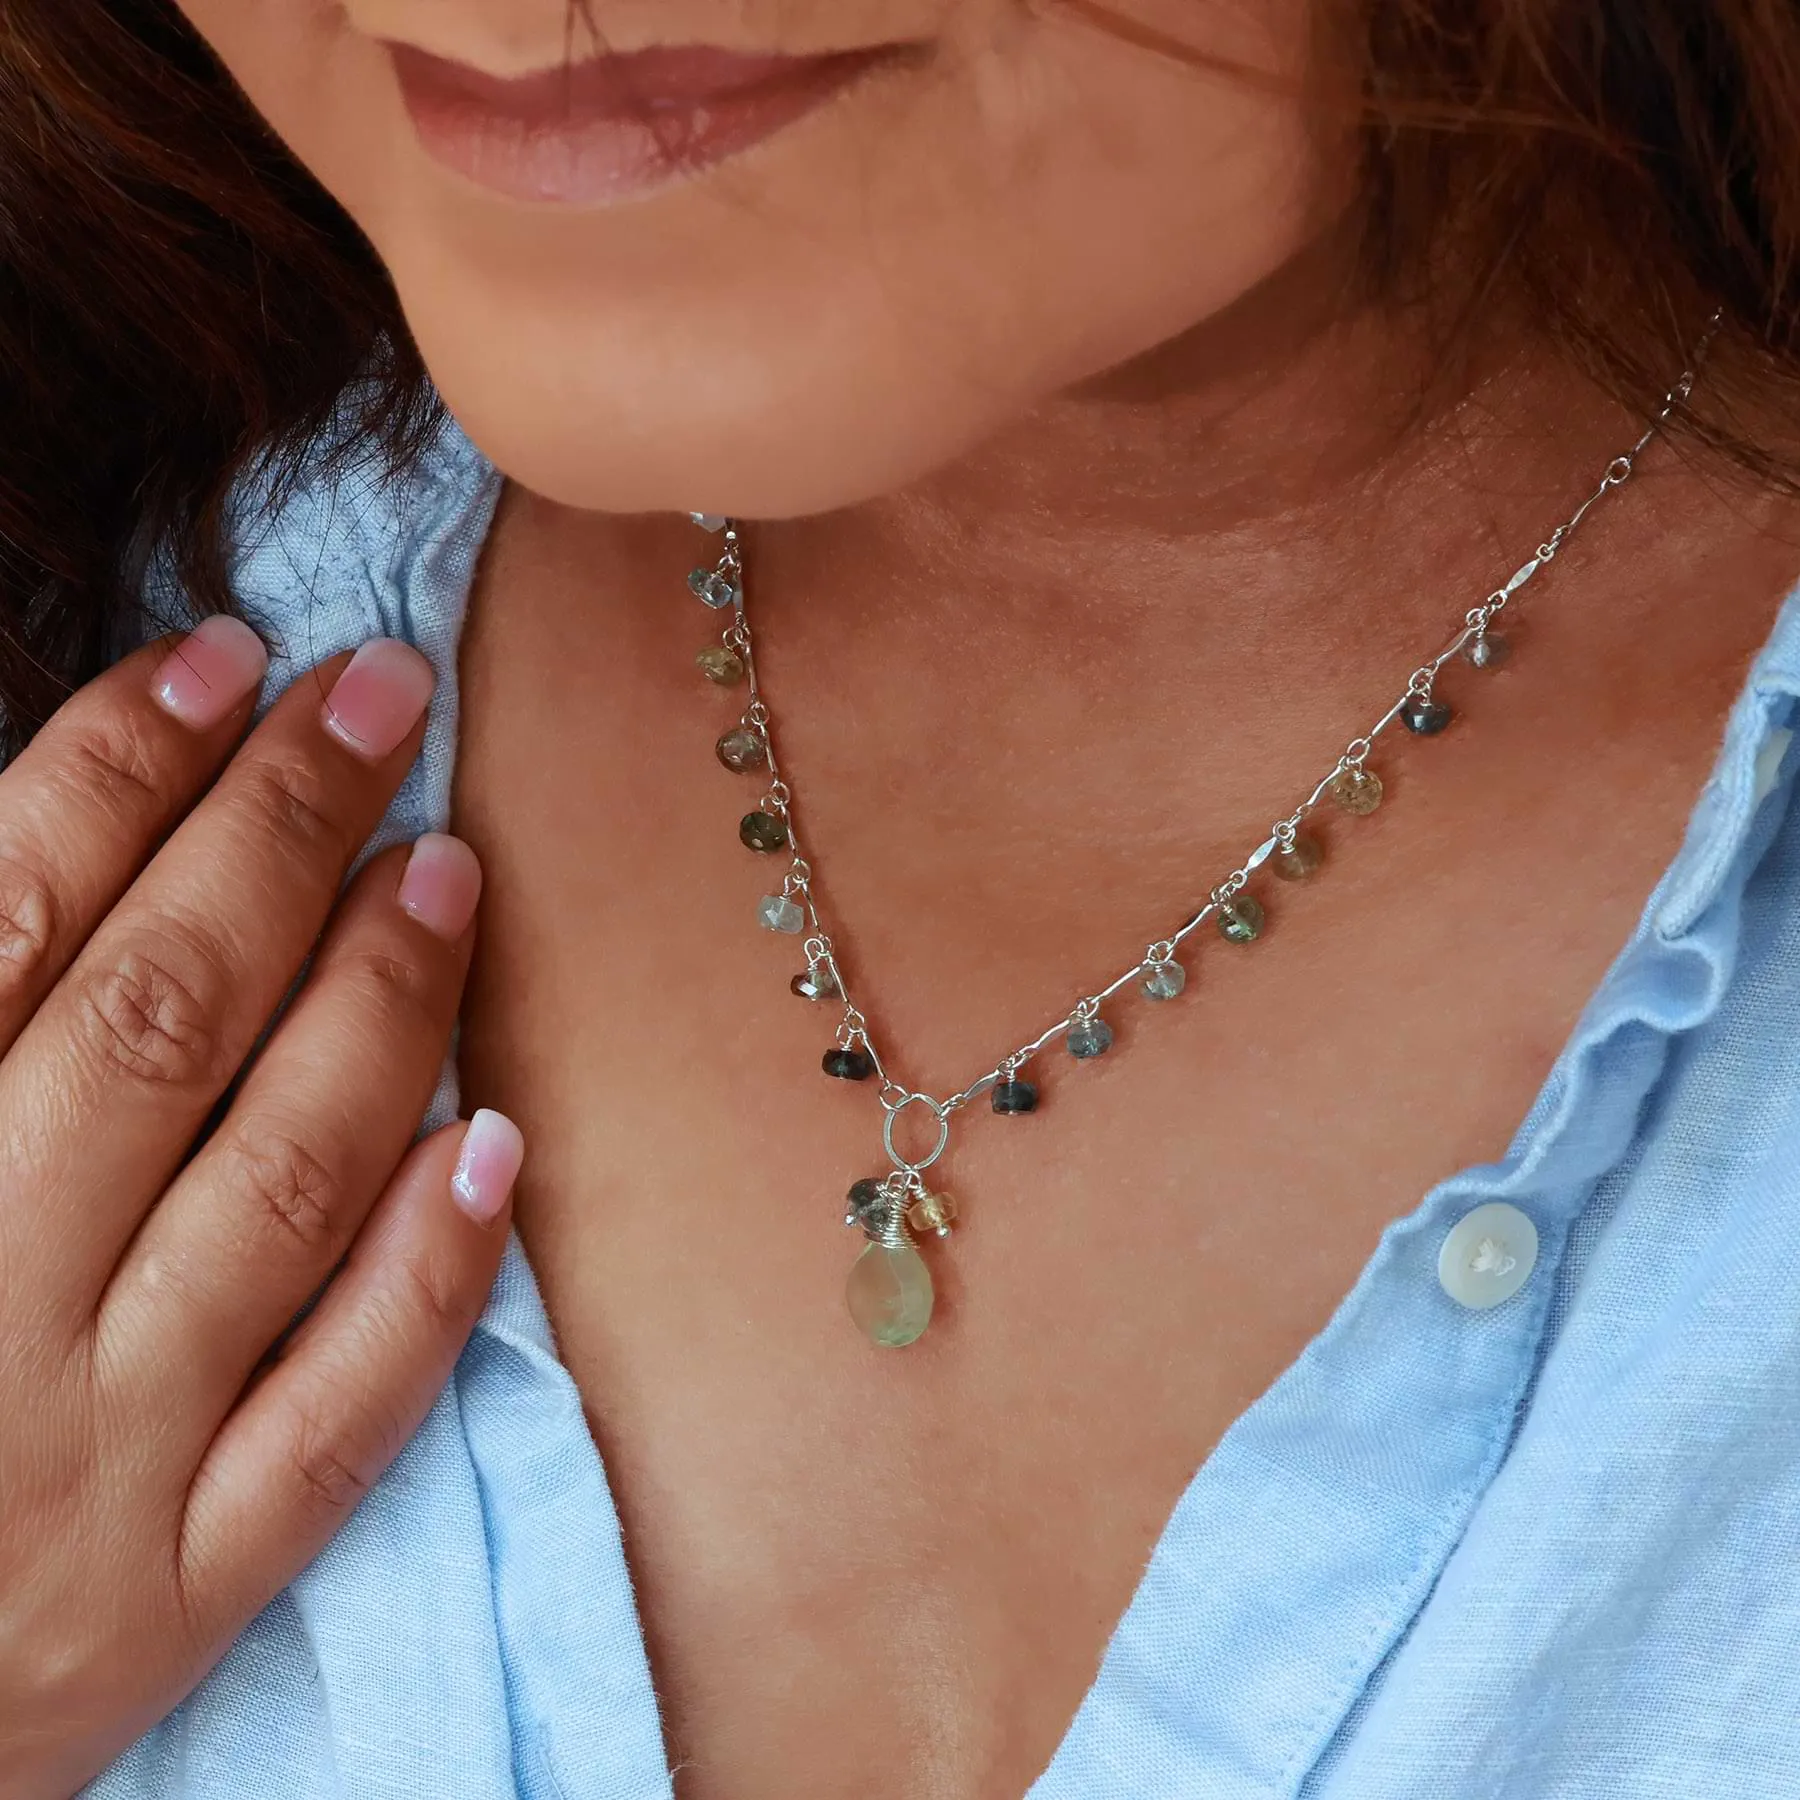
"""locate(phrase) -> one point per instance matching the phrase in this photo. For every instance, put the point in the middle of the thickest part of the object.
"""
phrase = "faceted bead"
(1296, 860)
(1015, 1096)
(741, 749)
(1241, 919)
(867, 1204)
(932, 1212)
(709, 521)
(816, 983)
(1165, 981)
(1423, 716)
(719, 663)
(776, 912)
(762, 832)
(718, 591)
(848, 1065)
(1486, 650)
(1356, 790)
(889, 1294)
(1089, 1038)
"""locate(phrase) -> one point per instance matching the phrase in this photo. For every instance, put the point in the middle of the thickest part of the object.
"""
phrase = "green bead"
(889, 1294)
(1240, 919)
(1297, 859)
(763, 833)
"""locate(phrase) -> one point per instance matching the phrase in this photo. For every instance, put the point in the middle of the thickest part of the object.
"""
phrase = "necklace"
(889, 1290)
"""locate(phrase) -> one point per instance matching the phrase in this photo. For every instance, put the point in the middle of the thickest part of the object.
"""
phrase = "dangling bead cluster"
(889, 1291)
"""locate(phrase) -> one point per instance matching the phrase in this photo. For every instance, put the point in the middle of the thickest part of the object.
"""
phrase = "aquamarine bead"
(716, 590)
(775, 912)
(1165, 980)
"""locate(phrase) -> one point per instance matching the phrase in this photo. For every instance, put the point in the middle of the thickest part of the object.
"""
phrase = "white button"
(1488, 1255)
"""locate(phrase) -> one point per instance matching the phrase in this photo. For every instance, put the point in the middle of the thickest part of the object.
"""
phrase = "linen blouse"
(1546, 1549)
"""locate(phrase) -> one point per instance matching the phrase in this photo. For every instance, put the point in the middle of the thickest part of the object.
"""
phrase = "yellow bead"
(717, 663)
(1356, 790)
(932, 1212)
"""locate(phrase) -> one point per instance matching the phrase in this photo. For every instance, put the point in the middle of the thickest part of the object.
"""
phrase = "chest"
(893, 1573)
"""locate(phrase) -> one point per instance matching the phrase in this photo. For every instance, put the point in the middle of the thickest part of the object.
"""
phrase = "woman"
(1367, 1372)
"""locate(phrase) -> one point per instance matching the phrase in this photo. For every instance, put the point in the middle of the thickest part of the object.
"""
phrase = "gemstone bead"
(1015, 1096)
(848, 1065)
(762, 832)
(716, 590)
(1297, 860)
(721, 664)
(776, 912)
(1486, 650)
(868, 1205)
(1356, 790)
(1165, 980)
(709, 521)
(1241, 919)
(741, 749)
(816, 983)
(1089, 1038)
(1423, 716)
(932, 1212)
(889, 1294)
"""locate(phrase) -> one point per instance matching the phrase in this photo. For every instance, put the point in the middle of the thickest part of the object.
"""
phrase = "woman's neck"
(1289, 466)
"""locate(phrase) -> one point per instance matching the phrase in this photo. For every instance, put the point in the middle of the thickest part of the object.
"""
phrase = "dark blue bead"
(868, 1205)
(1015, 1096)
(849, 1065)
(1423, 716)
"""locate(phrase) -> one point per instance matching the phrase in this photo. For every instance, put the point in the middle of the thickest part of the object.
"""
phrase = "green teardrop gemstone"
(889, 1294)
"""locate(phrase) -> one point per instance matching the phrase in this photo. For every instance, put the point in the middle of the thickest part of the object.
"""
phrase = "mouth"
(609, 128)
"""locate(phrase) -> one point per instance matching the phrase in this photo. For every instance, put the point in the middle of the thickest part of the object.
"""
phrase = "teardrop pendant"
(889, 1293)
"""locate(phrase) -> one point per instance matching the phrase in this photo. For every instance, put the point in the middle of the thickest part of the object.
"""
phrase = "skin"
(1091, 522)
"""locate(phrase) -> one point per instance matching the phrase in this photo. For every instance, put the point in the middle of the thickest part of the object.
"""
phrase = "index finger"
(85, 803)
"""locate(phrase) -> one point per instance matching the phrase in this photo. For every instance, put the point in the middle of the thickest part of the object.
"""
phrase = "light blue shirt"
(1547, 1550)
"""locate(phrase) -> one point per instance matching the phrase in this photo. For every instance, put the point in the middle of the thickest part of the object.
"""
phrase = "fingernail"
(377, 700)
(441, 884)
(206, 675)
(487, 1165)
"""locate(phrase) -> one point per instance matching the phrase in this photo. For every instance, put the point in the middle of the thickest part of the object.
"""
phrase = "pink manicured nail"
(441, 884)
(487, 1166)
(378, 699)
(209, 672)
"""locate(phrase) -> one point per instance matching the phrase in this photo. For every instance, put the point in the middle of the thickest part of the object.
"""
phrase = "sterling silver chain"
(796, 907)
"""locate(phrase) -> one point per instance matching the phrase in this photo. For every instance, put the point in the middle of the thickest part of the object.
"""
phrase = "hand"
(169, 1459)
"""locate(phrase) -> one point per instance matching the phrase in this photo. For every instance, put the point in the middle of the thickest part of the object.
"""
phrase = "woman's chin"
(622, 446)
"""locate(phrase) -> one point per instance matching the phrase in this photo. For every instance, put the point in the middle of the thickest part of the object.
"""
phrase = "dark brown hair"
(180, 304)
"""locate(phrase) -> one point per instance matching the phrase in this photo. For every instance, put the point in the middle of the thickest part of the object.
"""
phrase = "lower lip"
(612, 127)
